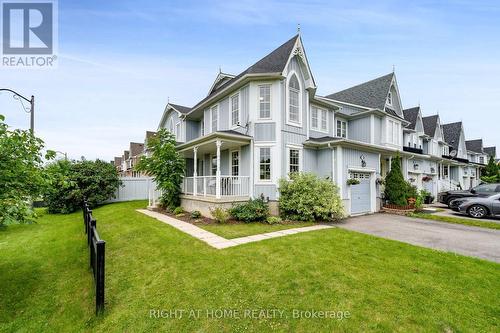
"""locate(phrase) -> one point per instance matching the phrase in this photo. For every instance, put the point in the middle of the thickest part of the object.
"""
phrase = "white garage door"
(361, 193)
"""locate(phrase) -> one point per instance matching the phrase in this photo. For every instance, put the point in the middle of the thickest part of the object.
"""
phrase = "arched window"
(294, 99)
(171, 126)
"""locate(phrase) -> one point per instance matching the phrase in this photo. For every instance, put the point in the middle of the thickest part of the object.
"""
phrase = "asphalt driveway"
(466, 240)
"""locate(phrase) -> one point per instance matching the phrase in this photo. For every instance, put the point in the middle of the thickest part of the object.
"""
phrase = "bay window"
(235, 110)
(265, 101)
(294, 100)
(265, 164)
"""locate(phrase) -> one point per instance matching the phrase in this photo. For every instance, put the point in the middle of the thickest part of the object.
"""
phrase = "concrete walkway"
(466, 240)
(219, 242)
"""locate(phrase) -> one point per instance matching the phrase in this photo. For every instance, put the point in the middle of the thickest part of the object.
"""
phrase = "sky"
(119, 62)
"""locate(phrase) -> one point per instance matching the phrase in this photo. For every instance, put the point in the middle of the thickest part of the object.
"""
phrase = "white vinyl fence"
(134, 188)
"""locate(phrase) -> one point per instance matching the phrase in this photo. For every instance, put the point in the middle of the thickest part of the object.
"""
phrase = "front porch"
(218, 168)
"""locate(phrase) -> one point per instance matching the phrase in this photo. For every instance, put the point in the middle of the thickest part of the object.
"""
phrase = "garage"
(361, 193)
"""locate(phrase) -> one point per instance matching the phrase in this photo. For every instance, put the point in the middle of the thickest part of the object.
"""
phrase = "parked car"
(478, 207)
(483, 190)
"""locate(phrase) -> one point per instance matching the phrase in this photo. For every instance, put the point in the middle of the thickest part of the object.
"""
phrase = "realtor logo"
(28, 33)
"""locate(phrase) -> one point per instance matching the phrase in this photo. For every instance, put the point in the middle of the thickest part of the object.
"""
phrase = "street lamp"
(32, 106)
(62, 153)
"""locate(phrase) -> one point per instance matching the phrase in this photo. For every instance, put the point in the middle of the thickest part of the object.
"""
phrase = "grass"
(457, 220)
(384, 285)
(247, 229)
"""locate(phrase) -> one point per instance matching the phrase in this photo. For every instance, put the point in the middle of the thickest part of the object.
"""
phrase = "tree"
(166, 166)
(21, 173)
(72, 181)
(491, 173)
(397, 189)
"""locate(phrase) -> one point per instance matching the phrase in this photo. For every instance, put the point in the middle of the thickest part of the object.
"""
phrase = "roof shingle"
(475, 145)
(491, 151)
(451, 134)
(411, 115)
(371, 94)
(430, 124)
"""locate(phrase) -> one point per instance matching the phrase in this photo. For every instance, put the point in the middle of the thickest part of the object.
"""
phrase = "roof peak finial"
(298, 28)
(168, 99)
(220, 69)
(393, 68)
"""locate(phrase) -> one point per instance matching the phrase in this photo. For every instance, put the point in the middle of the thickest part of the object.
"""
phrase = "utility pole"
(32, 106)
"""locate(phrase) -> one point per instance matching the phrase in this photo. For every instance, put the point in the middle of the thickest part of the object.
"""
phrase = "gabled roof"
(219, 81)
(430, 124)
(491, 151)
(150, 134)
(136, 148)
(180, 108)
(274, 62)
(451, 134)
(475, 145)
(411, 115)
(118, 161)
(371, 94)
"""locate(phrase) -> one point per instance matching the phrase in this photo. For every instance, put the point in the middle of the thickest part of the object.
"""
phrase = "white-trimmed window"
(171, 126)
(265, 101)
(341, 129)
(294, 100)
(235, 163)
(293, 160)
(445, 171)
(178, 131)
(389, 98)
(319, 119)
(481, 159)
(214, 114)
(213, 165)
(202, 127)
(265, 163)
(235, 110)
(393, 130)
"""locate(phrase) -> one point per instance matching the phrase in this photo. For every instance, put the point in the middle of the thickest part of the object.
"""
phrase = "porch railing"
(230, 186)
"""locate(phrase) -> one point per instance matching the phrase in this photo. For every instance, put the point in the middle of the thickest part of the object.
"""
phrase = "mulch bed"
(186, 217)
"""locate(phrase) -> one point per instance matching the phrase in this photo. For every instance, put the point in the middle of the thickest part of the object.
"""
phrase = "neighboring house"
(258, 126)
(491, 152)
(118, 164)
(136, 150)
(125, 163)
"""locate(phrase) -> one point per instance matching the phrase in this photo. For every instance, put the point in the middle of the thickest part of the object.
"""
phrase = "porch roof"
(230, 139)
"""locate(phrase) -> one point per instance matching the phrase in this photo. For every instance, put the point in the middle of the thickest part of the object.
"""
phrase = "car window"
(487, 188)
(498, 188)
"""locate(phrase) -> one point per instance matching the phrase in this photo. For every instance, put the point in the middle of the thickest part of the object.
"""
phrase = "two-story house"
(260, 125)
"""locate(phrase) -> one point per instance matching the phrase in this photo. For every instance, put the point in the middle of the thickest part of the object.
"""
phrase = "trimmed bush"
(178, 210)
(251, 211)
(220, 215)
(273, 220)
(195, 214)
(306, 197)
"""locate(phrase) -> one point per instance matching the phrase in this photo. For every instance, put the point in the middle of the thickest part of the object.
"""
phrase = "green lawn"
(385, 285)
(242, 230)
(457, 220)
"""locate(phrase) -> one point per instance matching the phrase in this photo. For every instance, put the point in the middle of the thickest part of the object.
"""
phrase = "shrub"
(273, 220)
(195, 214)
(220, 215)
(251, 211)
(166, 166)
(397, 189)
(178, 210)
(352, 181)
(306, 197)
(72, 181)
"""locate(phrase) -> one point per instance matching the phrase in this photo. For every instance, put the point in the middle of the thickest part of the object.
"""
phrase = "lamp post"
(32, 106)
(62, 153)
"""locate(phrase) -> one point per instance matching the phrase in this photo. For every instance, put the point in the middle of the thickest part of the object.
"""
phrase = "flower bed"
(398, 210)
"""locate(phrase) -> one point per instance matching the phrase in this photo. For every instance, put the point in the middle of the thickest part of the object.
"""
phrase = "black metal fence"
(97, 255)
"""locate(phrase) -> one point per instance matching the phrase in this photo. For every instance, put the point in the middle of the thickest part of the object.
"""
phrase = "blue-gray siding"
(265, 132)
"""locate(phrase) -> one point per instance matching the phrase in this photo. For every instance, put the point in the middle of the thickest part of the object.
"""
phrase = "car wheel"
(477, 211)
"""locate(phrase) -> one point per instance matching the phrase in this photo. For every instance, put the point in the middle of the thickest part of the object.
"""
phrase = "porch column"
(195, 169)
(218, 143)
(390, 163)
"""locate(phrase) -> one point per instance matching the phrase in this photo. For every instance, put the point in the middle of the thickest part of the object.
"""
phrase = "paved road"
(470, 241)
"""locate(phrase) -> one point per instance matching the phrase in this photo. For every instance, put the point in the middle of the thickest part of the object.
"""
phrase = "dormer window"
(294, 100)
(389, 98)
